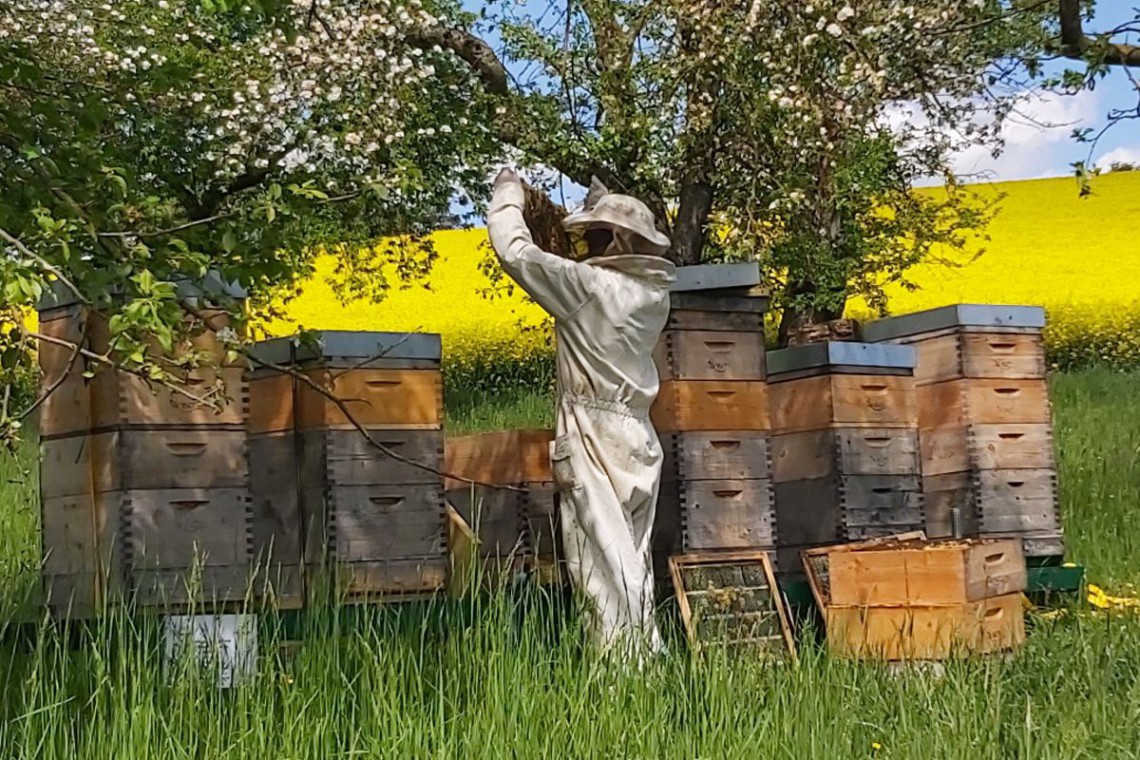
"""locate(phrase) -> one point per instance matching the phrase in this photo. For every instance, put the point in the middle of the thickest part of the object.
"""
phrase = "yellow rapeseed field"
(1078, 257)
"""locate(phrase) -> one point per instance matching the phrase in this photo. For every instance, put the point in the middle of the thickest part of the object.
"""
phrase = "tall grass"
(508, 675)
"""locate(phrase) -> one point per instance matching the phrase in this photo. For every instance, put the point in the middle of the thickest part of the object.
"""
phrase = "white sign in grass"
(225, 644)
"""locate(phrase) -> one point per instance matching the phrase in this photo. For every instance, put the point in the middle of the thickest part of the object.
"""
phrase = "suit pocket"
(561, 467)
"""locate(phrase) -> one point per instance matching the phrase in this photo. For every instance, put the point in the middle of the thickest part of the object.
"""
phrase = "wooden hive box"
(144, 492)
(712, 416)
(985, 421)
(844, 444)
(513, 527)
(909, 599)
(326, 496)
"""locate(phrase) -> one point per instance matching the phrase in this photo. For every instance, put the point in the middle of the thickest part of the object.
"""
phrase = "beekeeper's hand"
(507, 189)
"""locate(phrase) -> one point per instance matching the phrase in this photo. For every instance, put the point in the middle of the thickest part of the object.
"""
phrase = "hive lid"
(745, 274)
(850, 356)
(956, 315)
(358, 346)
(59, 296)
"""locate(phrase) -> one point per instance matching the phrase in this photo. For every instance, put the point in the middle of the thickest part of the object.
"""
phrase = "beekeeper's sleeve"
(559, 285)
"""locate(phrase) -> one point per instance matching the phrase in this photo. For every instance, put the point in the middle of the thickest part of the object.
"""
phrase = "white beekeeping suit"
(608, 312)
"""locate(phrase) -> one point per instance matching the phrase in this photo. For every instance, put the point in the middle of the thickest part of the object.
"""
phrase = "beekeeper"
(609, 309)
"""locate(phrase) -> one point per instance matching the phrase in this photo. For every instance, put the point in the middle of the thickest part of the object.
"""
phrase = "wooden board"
(695, 319)
(808, 512)
(353, 460)
(1003, 355)
(1017, 500)
(382, 523)
(179, 528)
(496, 517)
(726, 514)
(846, 507)
(142, 403)
(543, 521)
(926, 633)
(364, 582)
(204, 588)
(722, 455)
(701, 405)
(271, 404)
(747, 301)
(504, 457)
(969, 354)
(816, 561)
(927, 574)
(951, 505)
(462, 547)
(710, 355)
(846, 451)
(732, 598)
(983, 401)
(376, 398)
(891, 502)
(823, 401)
(986, 447)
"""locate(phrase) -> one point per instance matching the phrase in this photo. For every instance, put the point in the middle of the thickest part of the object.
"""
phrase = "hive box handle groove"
(186, 448)
(186, 505)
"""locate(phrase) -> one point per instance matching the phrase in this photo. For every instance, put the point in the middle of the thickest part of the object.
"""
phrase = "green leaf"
(229, 241)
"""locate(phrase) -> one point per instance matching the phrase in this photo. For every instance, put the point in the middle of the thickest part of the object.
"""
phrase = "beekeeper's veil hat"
(629, 219)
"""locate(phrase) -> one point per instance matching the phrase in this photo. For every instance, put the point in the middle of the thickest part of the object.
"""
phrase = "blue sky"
(1038, 137)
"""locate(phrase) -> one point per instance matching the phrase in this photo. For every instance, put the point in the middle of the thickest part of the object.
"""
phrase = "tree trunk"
(796, 322)
(693, 209)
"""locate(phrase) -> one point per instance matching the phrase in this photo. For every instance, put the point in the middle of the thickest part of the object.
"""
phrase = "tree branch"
(343, 407)
(489, 68)
(473, 51)
(47, 265)
(107, 361)
(1076, 44)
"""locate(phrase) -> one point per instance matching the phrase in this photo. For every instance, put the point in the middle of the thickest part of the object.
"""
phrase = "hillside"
(1048, 246)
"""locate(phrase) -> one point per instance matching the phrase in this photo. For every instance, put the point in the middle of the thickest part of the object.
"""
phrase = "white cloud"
(1038, 138)
(1126, 154)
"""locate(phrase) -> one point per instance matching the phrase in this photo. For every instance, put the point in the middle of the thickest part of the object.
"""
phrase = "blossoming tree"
(144, 142)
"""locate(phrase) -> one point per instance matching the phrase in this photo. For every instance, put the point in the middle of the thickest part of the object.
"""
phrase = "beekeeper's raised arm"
(559, 285)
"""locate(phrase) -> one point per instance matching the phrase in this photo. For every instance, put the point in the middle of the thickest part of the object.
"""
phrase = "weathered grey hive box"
(844, 444)
(985, 421)
(712, 416)
(144, 490)
(514, 527)
(328, 496)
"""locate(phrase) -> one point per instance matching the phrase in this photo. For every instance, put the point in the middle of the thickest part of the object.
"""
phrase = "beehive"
(144, 490)
(985, 421)
(918, 600)
(328, 495)
(712, 417)
(844, 444)
(512, 510)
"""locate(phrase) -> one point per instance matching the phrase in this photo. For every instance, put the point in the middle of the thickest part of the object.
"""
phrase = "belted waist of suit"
(613, 406)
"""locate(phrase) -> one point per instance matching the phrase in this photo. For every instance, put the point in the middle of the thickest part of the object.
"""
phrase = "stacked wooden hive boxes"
(325, 496)
(918, 600)
(144, 491)
(844, 444)
(510, 510)
(983, 408)
(712, 417)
